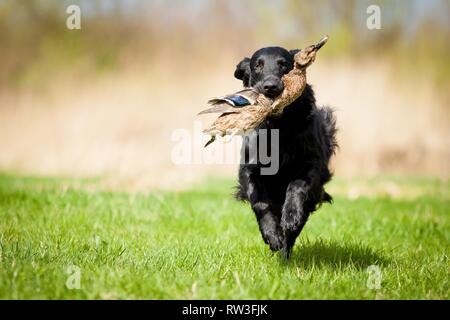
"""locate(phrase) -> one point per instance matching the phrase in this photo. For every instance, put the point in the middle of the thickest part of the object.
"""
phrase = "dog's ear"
(242, 71)
(294, 51)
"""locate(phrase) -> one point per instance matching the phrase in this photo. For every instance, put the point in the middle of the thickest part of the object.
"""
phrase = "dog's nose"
(272, 87)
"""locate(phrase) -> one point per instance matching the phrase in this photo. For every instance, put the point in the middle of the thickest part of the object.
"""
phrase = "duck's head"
(306, 56)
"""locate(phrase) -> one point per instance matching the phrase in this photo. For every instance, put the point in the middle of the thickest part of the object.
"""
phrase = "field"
(67, 239)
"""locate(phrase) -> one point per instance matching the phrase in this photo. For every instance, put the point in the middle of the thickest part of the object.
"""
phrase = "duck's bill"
(321, 43)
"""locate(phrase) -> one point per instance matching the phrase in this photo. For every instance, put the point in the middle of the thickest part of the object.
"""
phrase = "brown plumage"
(247, 109)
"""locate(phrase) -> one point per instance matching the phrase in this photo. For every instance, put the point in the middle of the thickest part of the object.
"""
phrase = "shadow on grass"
(322, 253)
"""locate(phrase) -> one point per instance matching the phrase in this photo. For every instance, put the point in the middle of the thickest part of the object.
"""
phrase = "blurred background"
(105, 100)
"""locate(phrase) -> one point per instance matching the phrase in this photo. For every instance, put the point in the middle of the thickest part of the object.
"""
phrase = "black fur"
(307, 139)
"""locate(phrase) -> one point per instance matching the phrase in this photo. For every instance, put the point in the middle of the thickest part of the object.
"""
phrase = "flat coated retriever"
(283, 202)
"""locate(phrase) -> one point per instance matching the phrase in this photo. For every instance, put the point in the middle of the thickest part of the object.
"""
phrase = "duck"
(245, 110)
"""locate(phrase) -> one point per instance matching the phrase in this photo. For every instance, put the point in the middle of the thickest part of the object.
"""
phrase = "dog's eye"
(282, 64)
(259, 64)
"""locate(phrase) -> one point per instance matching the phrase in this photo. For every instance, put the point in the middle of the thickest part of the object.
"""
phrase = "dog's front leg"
(269, 225)
(263, 207)
(293, 214)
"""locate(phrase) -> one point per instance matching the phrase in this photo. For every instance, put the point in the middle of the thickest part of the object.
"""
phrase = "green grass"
(202, 244)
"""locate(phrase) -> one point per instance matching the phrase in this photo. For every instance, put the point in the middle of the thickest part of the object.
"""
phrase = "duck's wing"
(232, 102)
(239, 99)
(220, 108)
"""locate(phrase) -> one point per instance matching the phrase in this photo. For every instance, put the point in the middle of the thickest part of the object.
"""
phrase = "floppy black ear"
(242, 71)
(294, 51)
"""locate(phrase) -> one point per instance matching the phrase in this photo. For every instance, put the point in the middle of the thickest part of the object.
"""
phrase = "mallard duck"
(240, 112)
(247, 109)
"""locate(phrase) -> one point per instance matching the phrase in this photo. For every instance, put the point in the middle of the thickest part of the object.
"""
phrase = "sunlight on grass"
(202, 244)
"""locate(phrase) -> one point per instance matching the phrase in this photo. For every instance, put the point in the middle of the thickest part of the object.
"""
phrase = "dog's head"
(263, 71)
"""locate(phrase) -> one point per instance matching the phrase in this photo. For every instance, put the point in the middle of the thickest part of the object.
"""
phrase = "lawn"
(65, 239)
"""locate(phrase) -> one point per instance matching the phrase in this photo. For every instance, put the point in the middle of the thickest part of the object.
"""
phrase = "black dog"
(307, 139)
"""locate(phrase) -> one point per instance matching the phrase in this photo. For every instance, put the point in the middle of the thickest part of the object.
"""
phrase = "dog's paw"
(274, 240)
(292, 214)
(291, 218)
(270, 229)
(286, 251)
